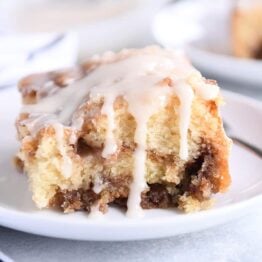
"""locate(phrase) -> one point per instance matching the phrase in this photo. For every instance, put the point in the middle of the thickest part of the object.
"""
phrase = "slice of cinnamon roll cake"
(139, 128)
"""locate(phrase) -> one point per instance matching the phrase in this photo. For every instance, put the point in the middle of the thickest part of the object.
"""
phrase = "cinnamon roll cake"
(140, 129)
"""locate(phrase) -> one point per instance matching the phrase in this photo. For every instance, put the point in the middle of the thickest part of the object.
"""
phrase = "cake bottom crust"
(156, 197)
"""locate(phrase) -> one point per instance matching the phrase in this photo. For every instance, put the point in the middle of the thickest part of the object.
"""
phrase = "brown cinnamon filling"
(74, 200)
(198, 182)
(19, 164)
(158, 197)
(82, 148)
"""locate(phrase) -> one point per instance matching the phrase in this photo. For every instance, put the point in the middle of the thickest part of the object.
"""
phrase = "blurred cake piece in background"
(247, 29)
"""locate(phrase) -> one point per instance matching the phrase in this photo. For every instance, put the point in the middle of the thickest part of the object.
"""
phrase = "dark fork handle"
(245, 144)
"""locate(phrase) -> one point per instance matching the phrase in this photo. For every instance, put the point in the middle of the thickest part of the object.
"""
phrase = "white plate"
(203, 28)
(18, 212)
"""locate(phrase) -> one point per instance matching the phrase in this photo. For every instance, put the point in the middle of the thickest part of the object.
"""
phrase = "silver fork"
(241, 142)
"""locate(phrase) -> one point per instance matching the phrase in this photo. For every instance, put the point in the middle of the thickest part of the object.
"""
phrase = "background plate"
(203, 28)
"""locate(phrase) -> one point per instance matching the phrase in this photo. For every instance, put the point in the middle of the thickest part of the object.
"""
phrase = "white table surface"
(240, 240)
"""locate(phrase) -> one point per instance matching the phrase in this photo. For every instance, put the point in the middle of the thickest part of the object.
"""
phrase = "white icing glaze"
(136, 75)
(95, 212)
(138, 184)
(142, 112)
(36, 121)
(202, 88)
(98, 184)
(66, 165)
(108, 109)
(77, 123)
(185, 95)
(47, 90)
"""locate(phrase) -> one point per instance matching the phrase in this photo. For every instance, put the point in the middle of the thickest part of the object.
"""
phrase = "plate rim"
(235, 210)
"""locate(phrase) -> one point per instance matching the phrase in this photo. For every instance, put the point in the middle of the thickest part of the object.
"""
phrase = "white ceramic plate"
(18, 212)
(203, 28)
